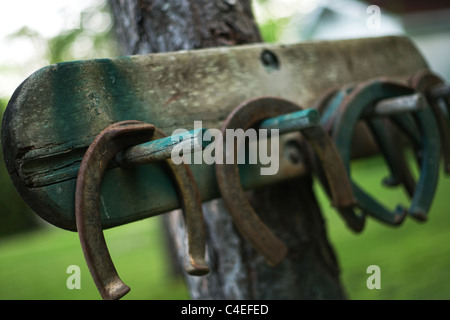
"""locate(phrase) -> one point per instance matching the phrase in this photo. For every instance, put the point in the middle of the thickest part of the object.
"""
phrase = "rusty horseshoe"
(247, 115)
(87, 206)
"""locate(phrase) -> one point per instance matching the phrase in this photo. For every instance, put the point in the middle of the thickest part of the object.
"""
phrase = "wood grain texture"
(150, 26)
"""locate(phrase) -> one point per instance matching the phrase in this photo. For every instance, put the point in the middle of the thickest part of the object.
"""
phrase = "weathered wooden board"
(55, 114)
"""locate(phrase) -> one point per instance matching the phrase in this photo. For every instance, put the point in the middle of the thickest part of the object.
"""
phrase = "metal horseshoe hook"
(87, 202)
(424, 81)
(87, 205)
(247, 115)
(191, 204)
(352, 108)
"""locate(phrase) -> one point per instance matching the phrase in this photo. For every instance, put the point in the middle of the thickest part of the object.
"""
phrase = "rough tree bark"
(310, 270)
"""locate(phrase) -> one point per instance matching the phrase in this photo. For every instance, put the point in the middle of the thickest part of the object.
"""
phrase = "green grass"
(414, 258)
(33, 266)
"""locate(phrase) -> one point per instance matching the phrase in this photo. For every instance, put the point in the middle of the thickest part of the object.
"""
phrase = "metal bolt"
(292, 121)
(270, 60)
(161, 149)
(403, 104)
(440, 91)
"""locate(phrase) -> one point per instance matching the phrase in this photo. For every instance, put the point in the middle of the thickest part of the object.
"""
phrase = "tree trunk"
(310, 269)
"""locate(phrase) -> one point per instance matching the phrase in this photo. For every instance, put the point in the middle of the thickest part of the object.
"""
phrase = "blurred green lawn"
(414, 258)
(34, 265)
